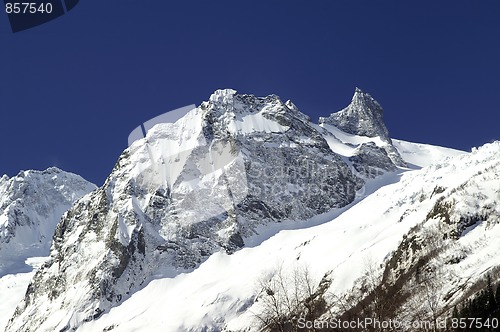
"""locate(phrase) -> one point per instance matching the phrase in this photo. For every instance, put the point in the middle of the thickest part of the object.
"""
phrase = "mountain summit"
(363, 117)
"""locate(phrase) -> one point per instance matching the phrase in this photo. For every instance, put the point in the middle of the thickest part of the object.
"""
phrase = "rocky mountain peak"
(229, 174)
(230, 112)
(229, 100)
(222, 96)
(363, 116)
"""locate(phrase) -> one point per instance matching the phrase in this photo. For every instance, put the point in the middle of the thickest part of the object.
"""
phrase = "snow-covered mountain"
(376, 241)
(31, 205)
(199, 215)
(166, 207)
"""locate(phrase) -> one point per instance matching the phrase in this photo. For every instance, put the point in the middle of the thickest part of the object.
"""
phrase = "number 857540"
(28, 8)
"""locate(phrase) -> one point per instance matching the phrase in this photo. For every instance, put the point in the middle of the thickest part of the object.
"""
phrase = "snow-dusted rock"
(371, 160)
(387, 234)
(31, 204)
(364, 117)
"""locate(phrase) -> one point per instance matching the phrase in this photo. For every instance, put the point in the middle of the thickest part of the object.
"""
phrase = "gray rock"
(364, 117)
(371, 161)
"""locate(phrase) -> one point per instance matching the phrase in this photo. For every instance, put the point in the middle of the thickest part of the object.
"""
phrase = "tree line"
(479, 313)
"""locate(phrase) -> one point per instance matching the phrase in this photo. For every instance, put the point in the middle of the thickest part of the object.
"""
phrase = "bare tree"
(284, 297)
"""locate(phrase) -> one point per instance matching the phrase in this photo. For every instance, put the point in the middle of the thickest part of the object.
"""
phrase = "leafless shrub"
(284, 297)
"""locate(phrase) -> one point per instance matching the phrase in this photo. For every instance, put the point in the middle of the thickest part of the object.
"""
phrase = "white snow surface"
(13, 286)
(421, 155)
(219, 295)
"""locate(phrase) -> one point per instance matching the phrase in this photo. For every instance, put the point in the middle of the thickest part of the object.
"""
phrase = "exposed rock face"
(363, 117)
(189, 189)
(371, 160)
(31, 205)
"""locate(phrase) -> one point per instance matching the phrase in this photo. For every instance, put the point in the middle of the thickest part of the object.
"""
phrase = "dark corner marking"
(27, 14)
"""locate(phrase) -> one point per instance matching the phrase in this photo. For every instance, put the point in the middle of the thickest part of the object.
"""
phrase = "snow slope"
(416, 155)
(13, 287)
(421, 155)
(221, 293)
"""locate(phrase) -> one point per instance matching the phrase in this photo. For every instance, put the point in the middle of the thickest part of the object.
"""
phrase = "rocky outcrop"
(364, 117)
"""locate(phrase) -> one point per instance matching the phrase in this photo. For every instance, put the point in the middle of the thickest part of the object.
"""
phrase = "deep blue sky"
(72, 90)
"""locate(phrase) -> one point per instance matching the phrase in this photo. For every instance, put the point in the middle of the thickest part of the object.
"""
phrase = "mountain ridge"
(197, 190)
(230, 165)
(31, 204)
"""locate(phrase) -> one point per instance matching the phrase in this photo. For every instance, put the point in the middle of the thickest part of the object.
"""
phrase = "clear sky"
(72, 90)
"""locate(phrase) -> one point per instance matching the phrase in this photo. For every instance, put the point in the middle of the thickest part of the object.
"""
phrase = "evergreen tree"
(455, 313)
(497, 297)
(484, 304)
(492, 305)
